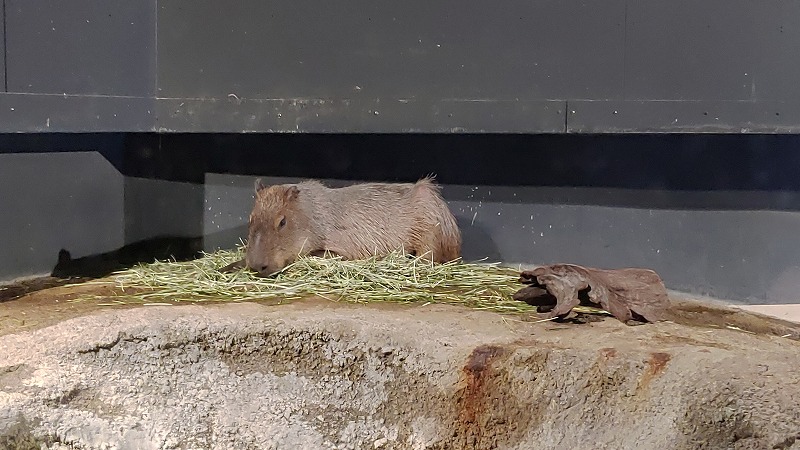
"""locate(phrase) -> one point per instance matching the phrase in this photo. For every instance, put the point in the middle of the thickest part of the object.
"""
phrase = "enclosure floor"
(46, 306)
(328, 375)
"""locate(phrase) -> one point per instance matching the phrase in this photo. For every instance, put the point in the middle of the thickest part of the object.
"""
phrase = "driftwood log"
(625, 293)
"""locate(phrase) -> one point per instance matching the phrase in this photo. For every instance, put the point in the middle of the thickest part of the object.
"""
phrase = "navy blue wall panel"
(98, 47)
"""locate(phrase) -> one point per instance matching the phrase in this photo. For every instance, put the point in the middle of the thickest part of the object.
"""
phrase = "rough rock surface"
(316, 376)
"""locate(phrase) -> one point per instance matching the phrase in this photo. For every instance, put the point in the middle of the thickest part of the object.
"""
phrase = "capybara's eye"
(282, 223)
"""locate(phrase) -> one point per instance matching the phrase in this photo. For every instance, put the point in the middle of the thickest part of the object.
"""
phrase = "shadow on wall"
(145, 251)
(161, 248)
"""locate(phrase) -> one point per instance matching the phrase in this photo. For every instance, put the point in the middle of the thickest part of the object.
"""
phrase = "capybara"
(354, 222)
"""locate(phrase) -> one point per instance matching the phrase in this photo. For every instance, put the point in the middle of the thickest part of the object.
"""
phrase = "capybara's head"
(279, 229)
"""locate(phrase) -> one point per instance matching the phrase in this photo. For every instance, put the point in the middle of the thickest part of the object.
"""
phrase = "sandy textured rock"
(319, 376)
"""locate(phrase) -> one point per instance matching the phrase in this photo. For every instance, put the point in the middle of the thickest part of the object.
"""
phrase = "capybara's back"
(354, 222)
(375, 219)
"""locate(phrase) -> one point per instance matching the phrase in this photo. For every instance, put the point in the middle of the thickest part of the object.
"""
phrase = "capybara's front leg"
(234, 266)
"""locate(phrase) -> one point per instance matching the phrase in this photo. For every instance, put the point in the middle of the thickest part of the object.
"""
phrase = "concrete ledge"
(789, 312)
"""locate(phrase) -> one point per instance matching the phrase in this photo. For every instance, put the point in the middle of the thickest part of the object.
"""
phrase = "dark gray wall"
(714, 50)
(416, 66)
(3, 46)
(156, 208)
(391, 50)
(82, 66)
(46, 113)
(103, 48)
(53, 201)
(548, 66)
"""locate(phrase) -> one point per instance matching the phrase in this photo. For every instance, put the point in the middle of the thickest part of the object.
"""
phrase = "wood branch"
(625, 293)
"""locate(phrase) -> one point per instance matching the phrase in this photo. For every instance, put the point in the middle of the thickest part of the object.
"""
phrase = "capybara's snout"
(260, 265)
(263, 270)
(265, 265)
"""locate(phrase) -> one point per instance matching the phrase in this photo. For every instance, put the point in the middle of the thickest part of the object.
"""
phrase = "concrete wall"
(54, 201)
(162, 208)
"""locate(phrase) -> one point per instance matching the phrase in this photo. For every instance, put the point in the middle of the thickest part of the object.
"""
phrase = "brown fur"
(354, 222)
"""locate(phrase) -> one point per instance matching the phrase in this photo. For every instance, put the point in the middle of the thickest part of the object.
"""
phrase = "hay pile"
(394, 278)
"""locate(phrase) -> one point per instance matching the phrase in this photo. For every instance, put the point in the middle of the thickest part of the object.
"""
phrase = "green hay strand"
(394, 278)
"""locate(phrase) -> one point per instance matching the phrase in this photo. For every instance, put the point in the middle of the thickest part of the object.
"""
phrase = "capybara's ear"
(291, 193)
(259, 185)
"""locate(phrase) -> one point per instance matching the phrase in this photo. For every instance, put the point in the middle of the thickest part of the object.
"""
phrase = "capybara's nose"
(264, 271)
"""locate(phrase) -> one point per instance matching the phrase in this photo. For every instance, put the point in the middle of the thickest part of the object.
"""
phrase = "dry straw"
(394, 278)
